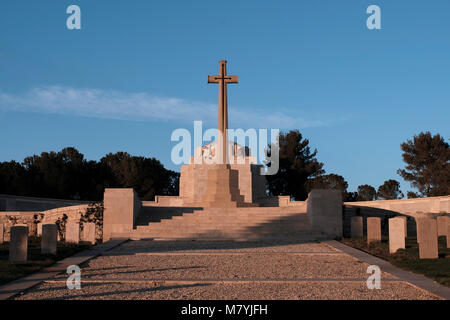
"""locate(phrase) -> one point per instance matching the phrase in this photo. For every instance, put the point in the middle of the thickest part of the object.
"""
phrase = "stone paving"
(148, 269)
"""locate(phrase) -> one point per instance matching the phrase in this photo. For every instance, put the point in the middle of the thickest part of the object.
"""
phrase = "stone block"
(88, 234)
(49, 239)
(405, 222)
(396, 234)
(18, 244)
(122, 207)
(442, 225)
(357, 227)
(2, 233)
(73, 232)
(373, 230)
(428, 245)
(39, 229)
(448, 233)
(324, 209)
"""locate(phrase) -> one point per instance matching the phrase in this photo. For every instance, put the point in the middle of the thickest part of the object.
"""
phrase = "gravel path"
(277, 270)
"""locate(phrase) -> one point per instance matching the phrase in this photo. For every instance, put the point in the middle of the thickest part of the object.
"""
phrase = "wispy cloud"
(111, 104)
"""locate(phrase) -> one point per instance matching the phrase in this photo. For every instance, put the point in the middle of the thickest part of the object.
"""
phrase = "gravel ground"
(248, 266)
(257, 291)
(137, 263)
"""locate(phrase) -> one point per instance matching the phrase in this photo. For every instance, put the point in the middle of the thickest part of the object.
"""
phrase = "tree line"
(68, 175)
(427, 159)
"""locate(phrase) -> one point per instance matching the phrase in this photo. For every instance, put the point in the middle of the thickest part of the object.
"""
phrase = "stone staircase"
(246, 223)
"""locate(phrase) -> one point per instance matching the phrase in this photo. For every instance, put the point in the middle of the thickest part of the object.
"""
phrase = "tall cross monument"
(222, 125)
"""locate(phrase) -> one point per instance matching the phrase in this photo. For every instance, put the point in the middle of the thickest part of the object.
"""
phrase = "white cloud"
(110, 104)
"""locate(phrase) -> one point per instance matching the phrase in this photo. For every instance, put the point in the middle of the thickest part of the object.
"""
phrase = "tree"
(427, 161)
(13, 178)
(366, 193)
(351, 197)
(146, 175)
(330, 181)
(412, 195)
(297, 164)
(389, 190)
(67, 175)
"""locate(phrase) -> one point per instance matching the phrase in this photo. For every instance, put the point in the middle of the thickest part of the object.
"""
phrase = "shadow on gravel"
(149, 246)
(72, 294)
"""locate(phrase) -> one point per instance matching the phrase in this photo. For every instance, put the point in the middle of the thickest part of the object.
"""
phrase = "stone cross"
(223, 79)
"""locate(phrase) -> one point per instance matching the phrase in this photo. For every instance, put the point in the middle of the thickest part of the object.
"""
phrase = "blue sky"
(137, 70)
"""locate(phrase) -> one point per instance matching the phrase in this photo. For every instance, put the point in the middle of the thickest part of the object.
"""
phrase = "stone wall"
(18, 203)
(59, 216)
(8, 219)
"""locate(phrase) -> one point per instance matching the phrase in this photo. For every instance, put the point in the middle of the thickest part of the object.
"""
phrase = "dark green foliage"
(427, 161)
(67, 175)
(330, 181)
(297, 164)
(366, 193)
(389, 190)
(351, 196)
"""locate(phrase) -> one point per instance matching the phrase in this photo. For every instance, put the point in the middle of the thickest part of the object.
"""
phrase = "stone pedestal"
(396, 234)
(73, 232)
(222, 188)
(18, 245)
(373, 230)
(357, 227)
(428, 245)
(49, 239)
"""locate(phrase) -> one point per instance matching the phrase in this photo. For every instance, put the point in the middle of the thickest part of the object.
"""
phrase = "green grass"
(408, 258)
(36, 261)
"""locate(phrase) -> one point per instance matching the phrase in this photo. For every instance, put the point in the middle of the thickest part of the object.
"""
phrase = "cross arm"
(213, 79)
(231, 79)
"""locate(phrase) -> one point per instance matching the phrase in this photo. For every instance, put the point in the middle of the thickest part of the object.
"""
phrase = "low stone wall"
(18, 203)
(9, 219)
(59, 216)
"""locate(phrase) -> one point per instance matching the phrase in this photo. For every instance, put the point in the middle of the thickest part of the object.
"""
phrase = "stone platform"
(221, 223)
